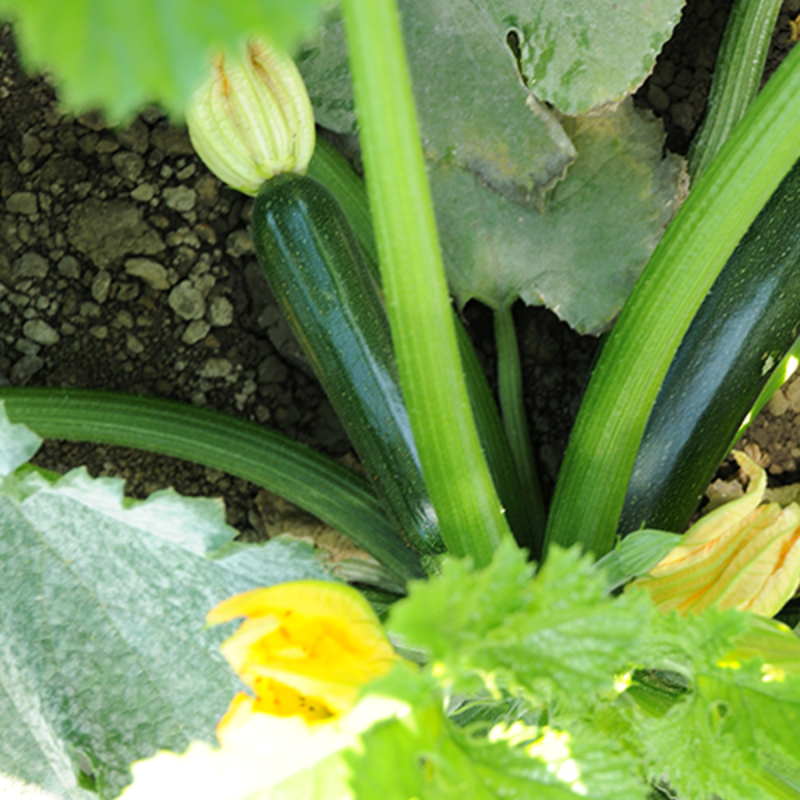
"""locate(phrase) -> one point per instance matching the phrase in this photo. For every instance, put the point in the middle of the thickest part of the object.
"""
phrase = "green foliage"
(426, 756)
(562, 643)
(571, 53)
(559, 634)
(119, 56)
(736, 718)
(581, 253)
(474, 111)
(588, 196)
(104, 656)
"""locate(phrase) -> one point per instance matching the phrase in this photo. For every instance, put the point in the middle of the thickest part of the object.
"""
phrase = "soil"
(124, 265)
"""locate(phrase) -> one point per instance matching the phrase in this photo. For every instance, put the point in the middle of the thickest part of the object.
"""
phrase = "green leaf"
(582, 254)
(473, 108)
(119, 56)
(738, 715)
(579, 249)
(19, 444)
(558, 635)
(104, 656)
(584, 53)
(635, 554)
(474, 111)
(425, 755)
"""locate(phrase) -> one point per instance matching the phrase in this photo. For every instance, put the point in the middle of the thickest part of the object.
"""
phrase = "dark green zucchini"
(745, 325)
(314, 267)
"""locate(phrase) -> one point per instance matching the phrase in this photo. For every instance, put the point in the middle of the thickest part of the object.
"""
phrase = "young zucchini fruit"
(313, 264)
(743, 328)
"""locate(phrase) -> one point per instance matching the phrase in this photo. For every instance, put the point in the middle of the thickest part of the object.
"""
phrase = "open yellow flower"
(743, 555)
(305, 649)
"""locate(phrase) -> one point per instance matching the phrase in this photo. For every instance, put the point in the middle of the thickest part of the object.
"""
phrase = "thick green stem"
(236, 446)
(331, 168)
(418, 304)
(737, 76)
(512, 405)
(635, 358)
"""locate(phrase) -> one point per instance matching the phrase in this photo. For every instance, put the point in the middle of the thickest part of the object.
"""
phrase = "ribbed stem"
(512, 406)
(418, 304)
(241, 448)
(737, 76)
(635, 358)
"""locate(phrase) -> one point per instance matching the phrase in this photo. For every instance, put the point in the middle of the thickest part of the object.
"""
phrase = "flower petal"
(306, 647)
(742, 555)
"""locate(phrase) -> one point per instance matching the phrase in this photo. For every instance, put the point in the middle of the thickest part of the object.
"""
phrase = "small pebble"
(186, 301)
(133, 344)
(128, 165)
(216, 368)
(220, 312)
(24, 369)
(180, 198)
(69, 267)
(144, 193)
(32, 265)
(101, 286)
(39, 331)
(22, 203)
(778, 404)
(149, 271)
(195, 331)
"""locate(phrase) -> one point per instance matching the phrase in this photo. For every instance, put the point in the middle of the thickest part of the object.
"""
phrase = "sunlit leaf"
(559, 634)
(737, 717)
(425, 755)
(120, 55)
(474, 110)
(104, 652)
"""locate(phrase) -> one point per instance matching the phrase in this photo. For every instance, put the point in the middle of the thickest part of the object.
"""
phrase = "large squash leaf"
(104, 654)
(581, 254)
(510, 223)
(120, 55)
(581, 54)
(475, 112)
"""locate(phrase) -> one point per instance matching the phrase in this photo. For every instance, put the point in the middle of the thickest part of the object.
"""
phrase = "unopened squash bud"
(743, 555)
(252, 119)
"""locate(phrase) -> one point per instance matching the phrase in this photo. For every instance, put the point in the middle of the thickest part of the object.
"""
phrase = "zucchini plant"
(532, 686)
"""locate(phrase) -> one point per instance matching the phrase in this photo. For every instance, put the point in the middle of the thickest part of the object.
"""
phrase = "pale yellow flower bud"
(252, 119)
(743, 555)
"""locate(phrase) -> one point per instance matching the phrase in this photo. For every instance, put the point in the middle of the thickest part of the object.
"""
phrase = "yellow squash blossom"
(743, 555)
(305, 648)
